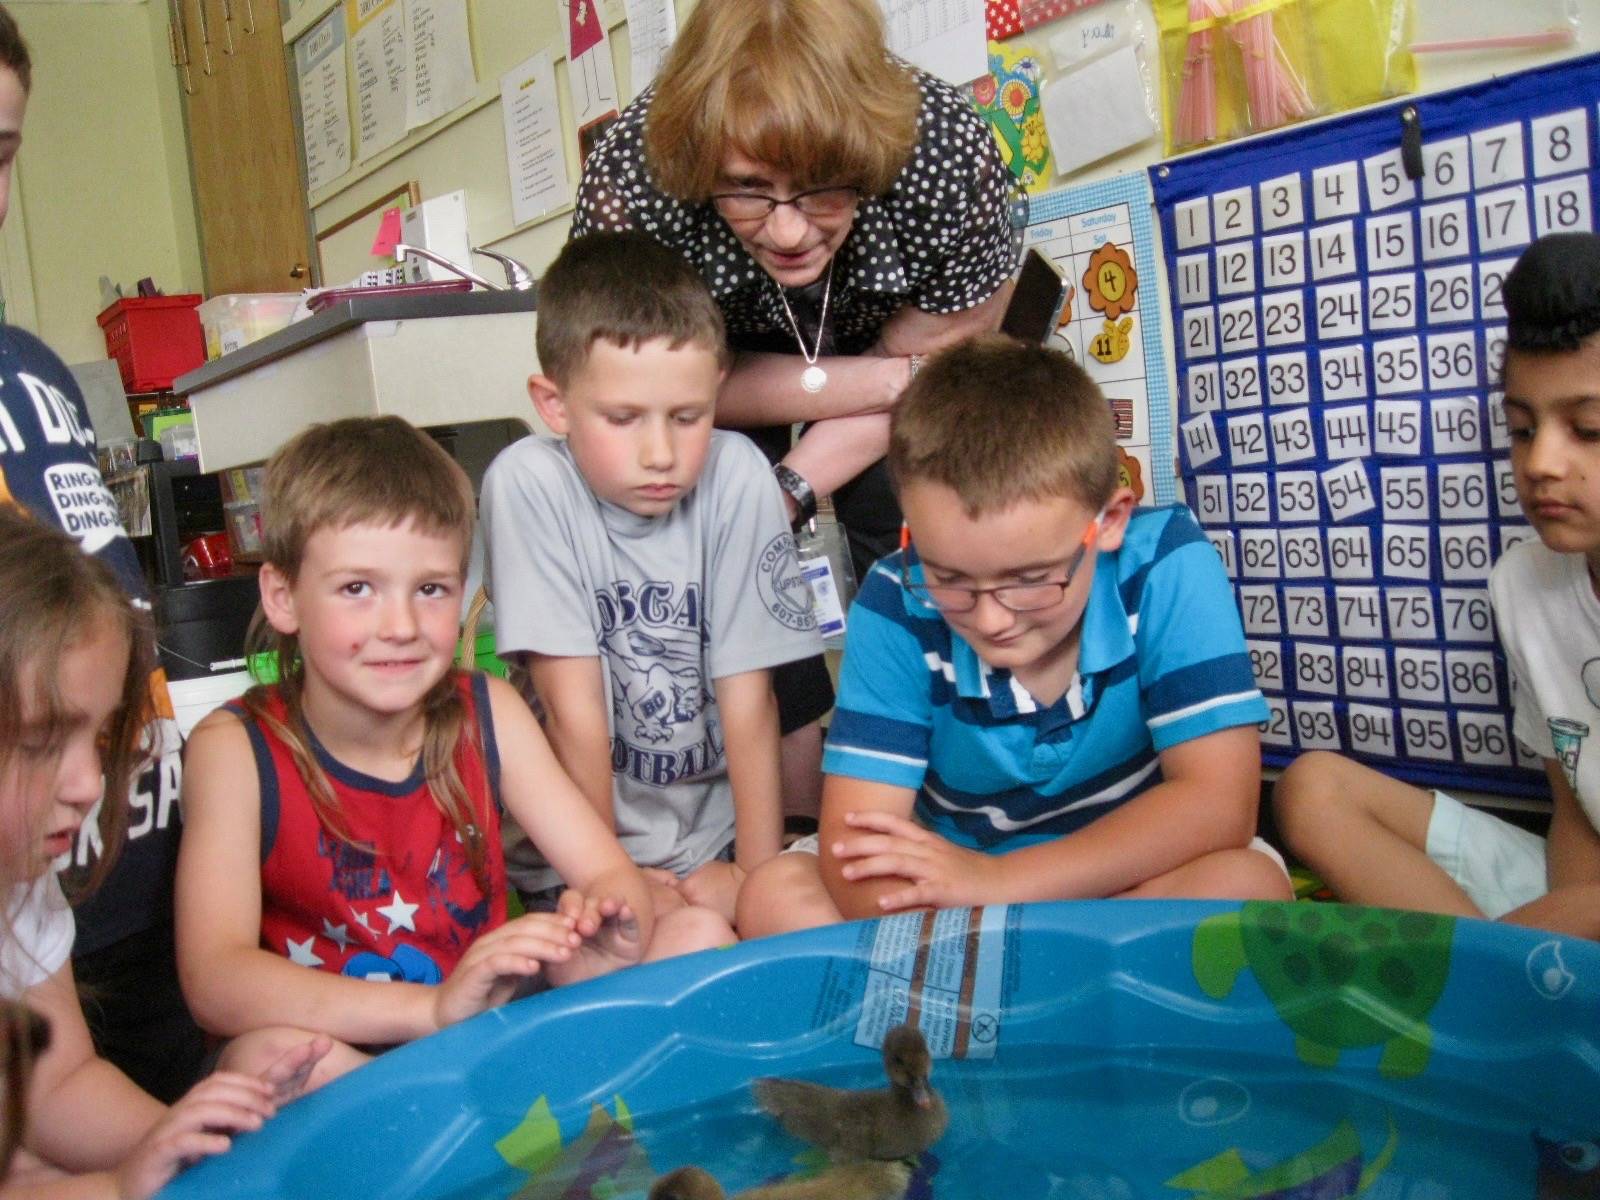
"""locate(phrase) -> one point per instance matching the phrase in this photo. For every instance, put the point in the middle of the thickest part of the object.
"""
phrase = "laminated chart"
(1101, 236)
(1336, 304)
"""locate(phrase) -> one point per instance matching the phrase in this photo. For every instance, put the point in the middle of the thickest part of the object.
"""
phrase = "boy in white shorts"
(1376, 840)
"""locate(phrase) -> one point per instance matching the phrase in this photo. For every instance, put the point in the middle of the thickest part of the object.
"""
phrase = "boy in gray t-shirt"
(643, 571)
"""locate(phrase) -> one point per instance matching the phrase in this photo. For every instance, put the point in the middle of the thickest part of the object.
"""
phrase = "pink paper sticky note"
(388, 233)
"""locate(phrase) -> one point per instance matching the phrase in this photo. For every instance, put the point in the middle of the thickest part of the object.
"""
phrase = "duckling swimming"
(900, 1121)
(845, 1181)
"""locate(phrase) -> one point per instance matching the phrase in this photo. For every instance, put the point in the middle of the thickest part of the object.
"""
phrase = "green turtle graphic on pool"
(1339, 976)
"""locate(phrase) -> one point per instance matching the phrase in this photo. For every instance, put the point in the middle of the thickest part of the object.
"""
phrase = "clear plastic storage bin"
(240, 318)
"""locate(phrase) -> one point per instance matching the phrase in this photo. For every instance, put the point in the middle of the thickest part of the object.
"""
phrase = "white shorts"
(1499, 865)
(809, 844)
(804, 845)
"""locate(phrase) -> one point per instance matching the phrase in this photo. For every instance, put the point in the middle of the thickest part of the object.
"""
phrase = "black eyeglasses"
(1017, 597)
(818, 202)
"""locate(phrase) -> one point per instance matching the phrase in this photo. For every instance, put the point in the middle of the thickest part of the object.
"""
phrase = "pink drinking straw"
(1197, 99)
(1273, 88)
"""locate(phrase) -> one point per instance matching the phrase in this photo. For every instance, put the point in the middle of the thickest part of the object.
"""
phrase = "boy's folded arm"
(572, 692)
(559, 818)
(1206, 801)
(1572, 864)
(749, 709)
(1573, 849)
(843, 794)
(231, 983)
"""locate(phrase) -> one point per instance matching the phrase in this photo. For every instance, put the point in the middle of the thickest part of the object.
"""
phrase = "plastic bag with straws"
(1243, 69)
(1231, 67)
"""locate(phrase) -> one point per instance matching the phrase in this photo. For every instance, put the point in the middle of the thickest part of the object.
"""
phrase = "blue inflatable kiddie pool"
(1097, 1049)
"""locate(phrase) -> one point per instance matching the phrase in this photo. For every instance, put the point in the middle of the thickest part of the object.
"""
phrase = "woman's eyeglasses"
(818, 202)
(1017, 597)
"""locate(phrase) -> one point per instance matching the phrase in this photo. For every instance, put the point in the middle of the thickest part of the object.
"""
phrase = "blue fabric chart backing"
(1339, 336)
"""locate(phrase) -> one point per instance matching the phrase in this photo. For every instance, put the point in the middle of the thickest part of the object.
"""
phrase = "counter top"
(346, 314)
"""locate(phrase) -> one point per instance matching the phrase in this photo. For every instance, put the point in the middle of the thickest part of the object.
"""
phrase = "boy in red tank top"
(347, 818)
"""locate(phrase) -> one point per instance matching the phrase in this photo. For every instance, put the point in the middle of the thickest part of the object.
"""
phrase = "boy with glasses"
(1045, 695)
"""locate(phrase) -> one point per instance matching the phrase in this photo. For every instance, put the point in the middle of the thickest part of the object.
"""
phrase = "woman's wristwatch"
(798, 490)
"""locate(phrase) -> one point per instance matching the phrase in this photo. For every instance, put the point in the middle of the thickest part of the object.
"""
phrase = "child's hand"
(610, 933)
(940, 873)
(496, 963)
(666, 889)
(196, 1127)
(715, 885)
(287, 1077)
(660, 876)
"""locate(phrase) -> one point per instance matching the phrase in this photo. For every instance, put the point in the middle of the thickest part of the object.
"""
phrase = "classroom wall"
(103, 179)
(1435, 72)
(470, 153)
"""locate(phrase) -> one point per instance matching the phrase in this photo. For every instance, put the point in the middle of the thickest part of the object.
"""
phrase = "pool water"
(1030, 1126)
(1180, 1050)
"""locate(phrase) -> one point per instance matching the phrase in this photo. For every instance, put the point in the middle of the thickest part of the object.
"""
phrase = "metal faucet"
(518, 277)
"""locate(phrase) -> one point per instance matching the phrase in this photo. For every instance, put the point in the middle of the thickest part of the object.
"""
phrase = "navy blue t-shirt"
(47, 463)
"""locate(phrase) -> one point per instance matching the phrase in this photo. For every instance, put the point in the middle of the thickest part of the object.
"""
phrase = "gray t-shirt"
(669, 604)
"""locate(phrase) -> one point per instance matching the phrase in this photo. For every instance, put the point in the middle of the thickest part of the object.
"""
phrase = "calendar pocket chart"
(1340, 335)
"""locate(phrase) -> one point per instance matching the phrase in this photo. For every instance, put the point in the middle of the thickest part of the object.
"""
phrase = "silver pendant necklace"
(813, 378)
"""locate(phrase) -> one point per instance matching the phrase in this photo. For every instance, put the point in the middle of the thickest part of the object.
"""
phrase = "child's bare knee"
(1309, 785)
(782, 894)
(1257, 876)
(687, 929)
(778, 876)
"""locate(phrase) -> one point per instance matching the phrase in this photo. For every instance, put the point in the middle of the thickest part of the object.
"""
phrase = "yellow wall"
(103, 178)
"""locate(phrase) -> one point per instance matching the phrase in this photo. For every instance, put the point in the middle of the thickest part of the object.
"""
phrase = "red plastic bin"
(154, 339)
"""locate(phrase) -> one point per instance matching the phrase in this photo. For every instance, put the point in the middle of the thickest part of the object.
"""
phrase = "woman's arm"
(764, 389)
(912, 331)
(840, 445)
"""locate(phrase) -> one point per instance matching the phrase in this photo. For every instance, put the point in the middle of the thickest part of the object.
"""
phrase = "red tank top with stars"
(399, 901)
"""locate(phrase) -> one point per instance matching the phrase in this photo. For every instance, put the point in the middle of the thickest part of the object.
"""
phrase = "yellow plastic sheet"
(1332, 54)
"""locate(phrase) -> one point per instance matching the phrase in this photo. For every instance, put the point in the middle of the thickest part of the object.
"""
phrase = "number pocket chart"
(1340, 331)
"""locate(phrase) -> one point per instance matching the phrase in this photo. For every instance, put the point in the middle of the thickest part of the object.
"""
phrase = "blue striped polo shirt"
(1162, 660)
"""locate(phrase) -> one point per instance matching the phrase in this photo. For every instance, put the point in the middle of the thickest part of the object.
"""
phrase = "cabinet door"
(254, 232)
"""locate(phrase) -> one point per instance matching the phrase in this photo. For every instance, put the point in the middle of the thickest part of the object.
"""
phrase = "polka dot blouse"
(941, 239)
